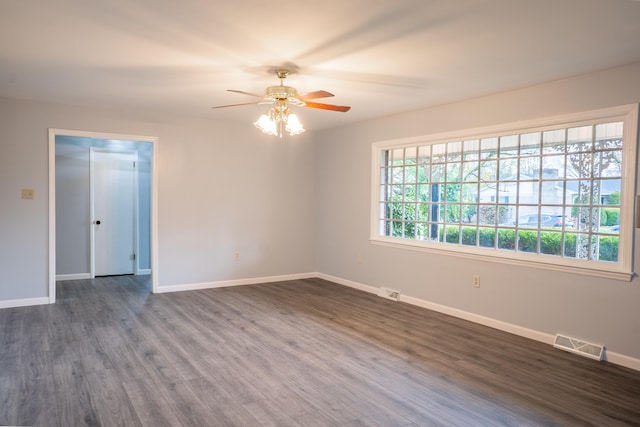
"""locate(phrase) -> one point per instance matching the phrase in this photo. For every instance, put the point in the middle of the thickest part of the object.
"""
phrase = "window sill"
(506, 257)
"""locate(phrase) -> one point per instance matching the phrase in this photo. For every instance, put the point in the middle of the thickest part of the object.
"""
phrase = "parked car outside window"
(546, 220)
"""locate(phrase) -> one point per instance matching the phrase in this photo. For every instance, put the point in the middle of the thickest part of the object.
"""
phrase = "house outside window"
(556, 193)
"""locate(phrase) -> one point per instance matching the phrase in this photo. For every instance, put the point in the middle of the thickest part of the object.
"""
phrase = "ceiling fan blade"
(238, 105)
(245, 93)
(340, 108)
(314, 95)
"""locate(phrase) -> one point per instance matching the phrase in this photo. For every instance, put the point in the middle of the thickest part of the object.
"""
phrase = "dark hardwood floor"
(299, 353)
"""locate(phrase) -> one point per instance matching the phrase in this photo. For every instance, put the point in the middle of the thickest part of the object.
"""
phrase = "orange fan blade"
(244, 93)
(314, 95)
(238, 105)
(340, 108)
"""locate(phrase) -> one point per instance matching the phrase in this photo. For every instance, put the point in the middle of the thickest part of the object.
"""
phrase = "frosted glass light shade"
(294, 127)
(266, 125)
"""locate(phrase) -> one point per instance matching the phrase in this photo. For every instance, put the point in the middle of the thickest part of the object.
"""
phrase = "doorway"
(73, 232)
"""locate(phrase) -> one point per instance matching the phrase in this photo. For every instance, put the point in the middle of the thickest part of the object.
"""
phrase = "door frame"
(92, 229)
(53, 133)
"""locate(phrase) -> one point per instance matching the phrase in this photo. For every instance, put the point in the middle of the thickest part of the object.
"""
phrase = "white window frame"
(621, 270)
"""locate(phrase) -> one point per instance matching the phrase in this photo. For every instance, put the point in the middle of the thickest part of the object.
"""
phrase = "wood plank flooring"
(298, 353)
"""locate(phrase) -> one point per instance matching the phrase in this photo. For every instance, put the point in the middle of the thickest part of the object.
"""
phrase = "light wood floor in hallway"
(298, 353)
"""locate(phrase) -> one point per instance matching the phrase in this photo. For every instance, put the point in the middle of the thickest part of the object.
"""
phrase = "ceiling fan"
(280, 115)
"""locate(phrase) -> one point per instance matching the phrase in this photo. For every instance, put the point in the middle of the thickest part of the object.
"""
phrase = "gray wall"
(599, 310)
(73, 201)
(221, 188)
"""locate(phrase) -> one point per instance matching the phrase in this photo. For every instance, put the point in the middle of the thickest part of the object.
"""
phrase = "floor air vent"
(388, 294)
(592, 351)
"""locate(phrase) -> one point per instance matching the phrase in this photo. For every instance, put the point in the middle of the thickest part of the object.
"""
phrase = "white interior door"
(113, 213)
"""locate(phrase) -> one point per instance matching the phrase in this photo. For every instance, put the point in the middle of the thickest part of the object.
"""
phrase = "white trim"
(612, 357)
(53, 132)
(234, 282)
(622, 270)
(52, 219)
(143, 271)
(627, 213)
(24, 302)
(154, 217)
(622, 360)
(76, 276)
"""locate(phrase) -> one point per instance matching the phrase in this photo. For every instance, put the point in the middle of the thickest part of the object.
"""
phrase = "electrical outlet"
(237, 256)
(476, 281)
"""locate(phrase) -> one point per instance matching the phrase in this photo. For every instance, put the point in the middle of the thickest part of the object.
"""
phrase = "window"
(557, 193)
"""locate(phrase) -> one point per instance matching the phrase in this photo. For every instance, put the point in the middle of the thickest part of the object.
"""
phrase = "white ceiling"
(379, 56)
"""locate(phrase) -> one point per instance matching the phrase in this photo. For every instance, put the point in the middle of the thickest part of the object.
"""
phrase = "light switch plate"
(27, 193)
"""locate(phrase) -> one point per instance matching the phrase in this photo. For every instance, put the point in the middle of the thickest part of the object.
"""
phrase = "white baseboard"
(77, 276)
(622, 360)
(24, 302)
(144, 271)
(235, 282)
(612, 357)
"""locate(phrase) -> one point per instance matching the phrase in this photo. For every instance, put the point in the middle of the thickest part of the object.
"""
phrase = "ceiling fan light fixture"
(277, 118)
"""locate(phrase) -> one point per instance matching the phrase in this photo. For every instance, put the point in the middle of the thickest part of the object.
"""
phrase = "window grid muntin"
(449, 207)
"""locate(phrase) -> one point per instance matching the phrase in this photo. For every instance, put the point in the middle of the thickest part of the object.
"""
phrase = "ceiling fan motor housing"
(281, 92)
